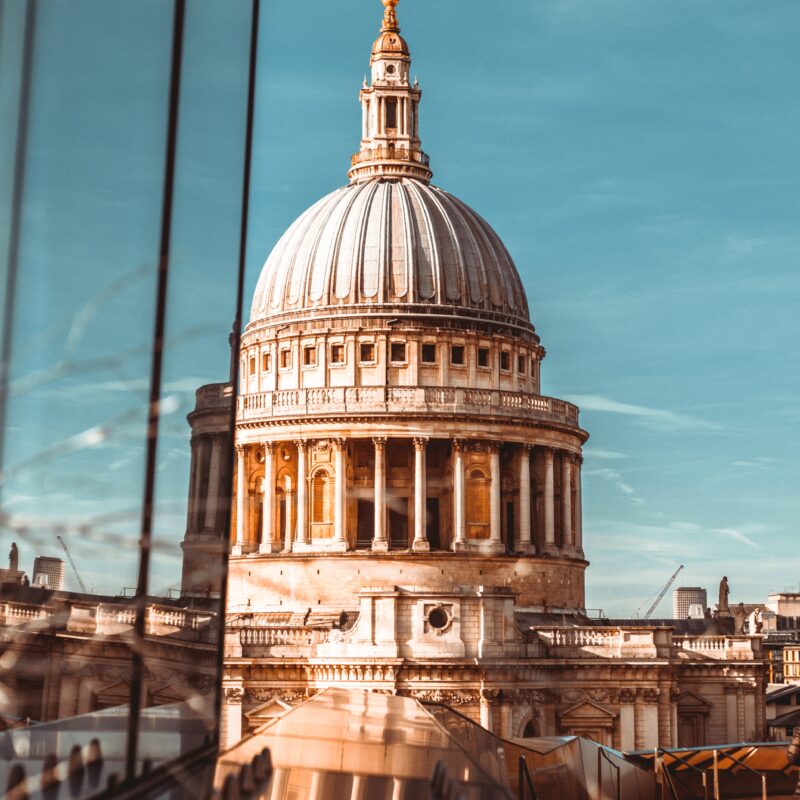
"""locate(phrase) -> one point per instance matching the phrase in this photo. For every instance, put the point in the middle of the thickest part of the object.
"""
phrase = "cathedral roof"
(389, 243)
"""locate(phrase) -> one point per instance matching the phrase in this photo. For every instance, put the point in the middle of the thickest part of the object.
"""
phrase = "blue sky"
(640, 161)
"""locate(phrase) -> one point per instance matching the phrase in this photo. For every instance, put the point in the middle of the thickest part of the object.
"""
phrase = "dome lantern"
(390, 144)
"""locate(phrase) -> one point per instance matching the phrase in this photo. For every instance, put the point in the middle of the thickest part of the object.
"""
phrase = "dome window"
(522, 363)
(505, 360)
(252, 365)
(428, 353)
(483, 356)
(367, 353)
(266, 362)
(310, 356)
(457, 355)
(398, 352)
(286, 358)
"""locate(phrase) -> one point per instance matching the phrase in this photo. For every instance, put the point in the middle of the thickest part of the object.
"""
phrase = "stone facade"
(408, 512)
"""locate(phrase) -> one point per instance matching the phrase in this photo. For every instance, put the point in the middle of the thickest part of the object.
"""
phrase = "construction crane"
(661, 594)
(72, 564)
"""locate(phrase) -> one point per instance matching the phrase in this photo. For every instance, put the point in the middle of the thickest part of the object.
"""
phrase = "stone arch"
(478, 486)
(321, 484)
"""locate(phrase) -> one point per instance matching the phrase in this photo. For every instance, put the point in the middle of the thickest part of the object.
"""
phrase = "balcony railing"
(424, 400)
(390, 154)
(723, 648)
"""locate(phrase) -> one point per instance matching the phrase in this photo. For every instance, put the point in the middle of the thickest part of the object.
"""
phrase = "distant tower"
(48, 572)
(686, 596)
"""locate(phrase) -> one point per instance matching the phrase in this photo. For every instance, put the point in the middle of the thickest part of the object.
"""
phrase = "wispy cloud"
(652, 417)
(762, 462)
(606, 455)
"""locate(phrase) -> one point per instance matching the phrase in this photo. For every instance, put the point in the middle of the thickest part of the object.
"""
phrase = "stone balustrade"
(277, 641)
(12, 614)
(109, 619)
(588, 641)
(425, 400)
(214, 395)
(723, 648)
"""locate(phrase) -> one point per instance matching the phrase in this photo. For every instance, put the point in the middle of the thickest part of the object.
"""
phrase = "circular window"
(390, 69)
(438, 618)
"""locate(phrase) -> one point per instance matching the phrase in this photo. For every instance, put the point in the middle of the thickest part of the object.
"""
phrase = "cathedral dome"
(401, 246)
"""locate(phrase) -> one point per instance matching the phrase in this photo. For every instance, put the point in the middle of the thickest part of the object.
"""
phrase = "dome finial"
(390, 15)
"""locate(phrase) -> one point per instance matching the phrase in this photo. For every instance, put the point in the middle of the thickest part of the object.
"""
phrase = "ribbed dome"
(390, 243)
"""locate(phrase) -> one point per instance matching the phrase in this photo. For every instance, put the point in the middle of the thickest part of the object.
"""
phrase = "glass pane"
(92, 169)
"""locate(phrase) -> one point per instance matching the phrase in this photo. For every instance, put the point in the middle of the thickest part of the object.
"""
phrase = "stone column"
(486, 699)
(578, 508)
(567, 541)
(212, 499)
(627, 719)
(379, 541)
(268, 504)
(301, 540)
(339, 498)
(549, 500)
(241, 495)
(495, 511)
(232, 715)
(191, 511)
(420, 496)
(524, 525)
(288, 494)
(459, 499)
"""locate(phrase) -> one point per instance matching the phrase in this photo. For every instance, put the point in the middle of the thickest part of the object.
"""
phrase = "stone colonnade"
(296, 536)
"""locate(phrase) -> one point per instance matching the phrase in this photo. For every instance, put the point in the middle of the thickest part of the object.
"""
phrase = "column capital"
(269, 448)
(379, 442)
(338, 444)
(420, 442)
(493, 447)
(548, 452)
(526, 448)
(301, 444)
(460, 445)
(240, 448)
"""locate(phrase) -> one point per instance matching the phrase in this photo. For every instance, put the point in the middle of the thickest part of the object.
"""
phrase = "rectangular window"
(505, 360)
(522, 362)
(266, 362)
(337, 354)
(533, 367)
(367, 353)
(391, 112)
(398, 352)
(286, 359)
(252, 365)
(310, 356)
(483, 356)
(457, 354)
(428, 353)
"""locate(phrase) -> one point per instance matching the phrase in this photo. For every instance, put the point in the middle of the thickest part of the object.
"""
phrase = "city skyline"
(638, 162)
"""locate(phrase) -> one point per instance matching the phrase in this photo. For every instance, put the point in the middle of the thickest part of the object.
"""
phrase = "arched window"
(321, 497)
(477, 503)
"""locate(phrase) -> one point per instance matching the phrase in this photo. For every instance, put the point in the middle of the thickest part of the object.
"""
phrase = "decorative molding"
(234, 695)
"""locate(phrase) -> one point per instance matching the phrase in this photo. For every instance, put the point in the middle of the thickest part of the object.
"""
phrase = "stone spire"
(390, 145)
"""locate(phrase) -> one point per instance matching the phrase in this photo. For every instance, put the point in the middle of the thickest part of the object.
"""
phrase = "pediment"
(689, 701)
(587, 711)
(166, 694)
(272, 708)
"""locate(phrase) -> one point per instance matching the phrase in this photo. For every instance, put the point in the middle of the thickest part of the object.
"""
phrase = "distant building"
(791, 664)
(48, 572)
(685, 597)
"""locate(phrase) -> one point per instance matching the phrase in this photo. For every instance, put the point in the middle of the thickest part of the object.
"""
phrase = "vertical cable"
(17, 192)
(153, 414)
(236, 340)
